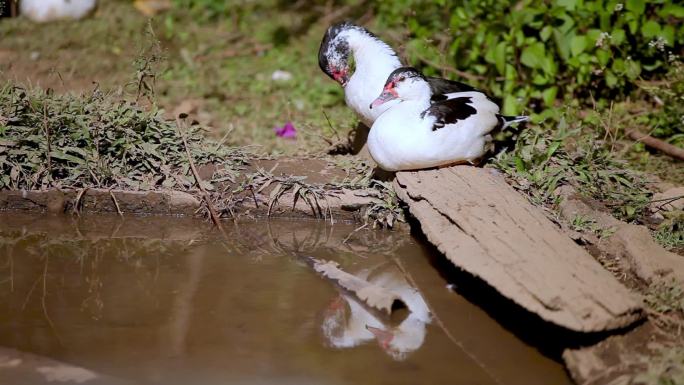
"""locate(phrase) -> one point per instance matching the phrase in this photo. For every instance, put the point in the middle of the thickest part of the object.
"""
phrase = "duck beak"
(383, 337)
(340, 76)
(384, 97)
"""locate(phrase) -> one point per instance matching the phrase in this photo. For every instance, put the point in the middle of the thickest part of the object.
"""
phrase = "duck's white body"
(42, 11)
(345, 329)
(374, 61)
(402, 138)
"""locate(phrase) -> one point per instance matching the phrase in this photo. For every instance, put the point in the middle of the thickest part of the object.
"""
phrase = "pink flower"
(287, 131)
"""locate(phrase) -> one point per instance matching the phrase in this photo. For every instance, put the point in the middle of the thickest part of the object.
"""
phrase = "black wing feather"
(440, 87)
(450, 111)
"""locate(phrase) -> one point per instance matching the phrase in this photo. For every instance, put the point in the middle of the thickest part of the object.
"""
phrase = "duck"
(41, 11)
(419, 131)
(349, 323)
(373, 61)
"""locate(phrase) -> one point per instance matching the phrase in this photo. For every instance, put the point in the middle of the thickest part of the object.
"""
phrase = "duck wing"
(441, 87)
(450, 111)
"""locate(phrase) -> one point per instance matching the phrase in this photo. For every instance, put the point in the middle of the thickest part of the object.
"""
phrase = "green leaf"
(500, 57)
(69, 158)
(568, 4)
(533, 55)
(578, 44)
(636, 6)
(519, 164)
(650, 29)
(549, 95)
(672, 10)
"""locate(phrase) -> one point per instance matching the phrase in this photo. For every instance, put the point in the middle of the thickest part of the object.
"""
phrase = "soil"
(344, 204)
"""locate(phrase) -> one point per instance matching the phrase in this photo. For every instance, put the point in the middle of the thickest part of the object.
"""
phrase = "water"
(105, 300)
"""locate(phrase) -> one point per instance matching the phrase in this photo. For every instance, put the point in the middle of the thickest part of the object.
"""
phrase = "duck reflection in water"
(349, 322)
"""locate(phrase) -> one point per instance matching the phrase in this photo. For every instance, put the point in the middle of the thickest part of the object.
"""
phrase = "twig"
(331, 126)
(453, 70)
(42, 301)
(77, 201)
(648, 140)
(46, 127)
(354, 232)
(220, 143)
(118, 209)
(198, 180)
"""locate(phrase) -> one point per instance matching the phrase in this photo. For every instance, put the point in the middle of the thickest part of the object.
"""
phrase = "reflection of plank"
(487, 229)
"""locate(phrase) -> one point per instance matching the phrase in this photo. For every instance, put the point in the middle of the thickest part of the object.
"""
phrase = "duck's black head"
(334, 52)
(402, 83)
(401, 74)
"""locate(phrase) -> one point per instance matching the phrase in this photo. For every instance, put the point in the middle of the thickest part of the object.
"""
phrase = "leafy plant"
(530, 53)
(670, 233)
(665, 296)
(95, 140)
(551, 155)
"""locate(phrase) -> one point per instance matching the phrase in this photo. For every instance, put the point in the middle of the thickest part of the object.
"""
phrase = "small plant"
(665, 297)
(670, 233)
(585, 224)
(666, 367)
(95, 140)
(551, 155)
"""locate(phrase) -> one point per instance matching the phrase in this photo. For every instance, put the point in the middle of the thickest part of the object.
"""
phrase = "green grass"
(212, 62)
(97, 140)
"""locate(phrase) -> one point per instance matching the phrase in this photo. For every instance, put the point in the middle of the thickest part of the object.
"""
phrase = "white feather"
(403, 139)
(42, 11)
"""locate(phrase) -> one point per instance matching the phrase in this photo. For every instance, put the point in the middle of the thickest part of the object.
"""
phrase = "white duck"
(350, 323)
(42, 11)
(417, 132)
(374, 60)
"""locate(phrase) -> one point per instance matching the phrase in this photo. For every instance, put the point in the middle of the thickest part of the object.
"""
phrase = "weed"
(585, 224)
(94, 140)
(665, 367)
(547, 157)
(665, 297)
(670, 233)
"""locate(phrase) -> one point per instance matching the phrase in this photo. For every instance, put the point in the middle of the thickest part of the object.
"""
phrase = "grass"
(96, 140)
(573, 152)
(665, 297)
(670, 234)
(223, 68)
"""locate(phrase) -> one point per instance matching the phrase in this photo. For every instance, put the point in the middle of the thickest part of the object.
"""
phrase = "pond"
(105, 300)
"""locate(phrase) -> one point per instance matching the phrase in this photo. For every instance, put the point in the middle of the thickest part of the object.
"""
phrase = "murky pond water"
(102, 300)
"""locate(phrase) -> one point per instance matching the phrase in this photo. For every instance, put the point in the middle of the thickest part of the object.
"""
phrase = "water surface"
(107, 300)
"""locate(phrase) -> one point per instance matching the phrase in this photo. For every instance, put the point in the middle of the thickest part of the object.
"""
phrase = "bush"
(530, 53)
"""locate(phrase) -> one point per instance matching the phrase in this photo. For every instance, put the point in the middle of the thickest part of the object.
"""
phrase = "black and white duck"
(416, 131)
(373, 60)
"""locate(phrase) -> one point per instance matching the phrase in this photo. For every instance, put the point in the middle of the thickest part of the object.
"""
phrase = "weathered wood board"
(486, 228)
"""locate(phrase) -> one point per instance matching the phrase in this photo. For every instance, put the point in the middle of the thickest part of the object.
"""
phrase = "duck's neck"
(415, 106)
(372, 57)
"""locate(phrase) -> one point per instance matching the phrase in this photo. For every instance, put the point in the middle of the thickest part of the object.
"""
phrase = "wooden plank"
(486, 228)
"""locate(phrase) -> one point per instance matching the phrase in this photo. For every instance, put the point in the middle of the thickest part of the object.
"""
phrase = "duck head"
(335, 51)
(405, 83)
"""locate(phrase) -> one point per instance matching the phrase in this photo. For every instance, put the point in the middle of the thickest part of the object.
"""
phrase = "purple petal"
(286, 131)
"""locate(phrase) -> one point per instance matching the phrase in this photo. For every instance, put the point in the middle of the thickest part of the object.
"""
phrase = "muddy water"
(101, 300)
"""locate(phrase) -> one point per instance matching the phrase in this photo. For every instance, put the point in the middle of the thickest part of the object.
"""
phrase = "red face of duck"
(340, 74)
(388, 93)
